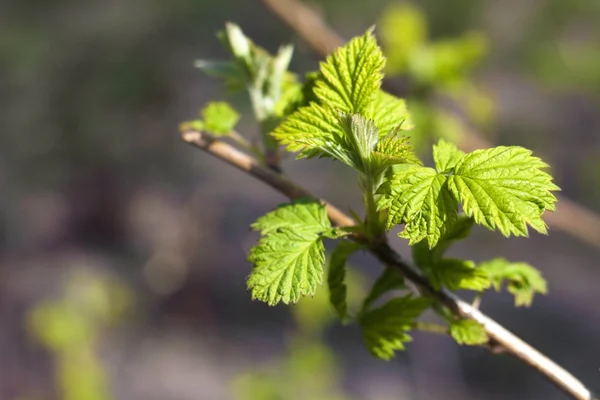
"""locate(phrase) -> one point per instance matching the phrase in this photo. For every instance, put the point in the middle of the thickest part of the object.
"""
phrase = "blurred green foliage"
(309, 369)
(70, 327)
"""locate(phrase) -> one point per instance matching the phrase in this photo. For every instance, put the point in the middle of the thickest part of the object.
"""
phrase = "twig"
(499, 336)
(570, 217)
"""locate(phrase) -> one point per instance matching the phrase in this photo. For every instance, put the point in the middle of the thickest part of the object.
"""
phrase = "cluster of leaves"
(342, 113)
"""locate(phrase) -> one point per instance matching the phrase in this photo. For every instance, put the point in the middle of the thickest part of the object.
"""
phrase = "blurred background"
(122, 250)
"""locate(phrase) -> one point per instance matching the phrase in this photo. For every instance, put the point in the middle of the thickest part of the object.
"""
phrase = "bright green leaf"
(522, 280)
(419, 198)
(351, 75)
(467, 331)
(337, 274)
(219, 118)
(446, 155)
(504, 188)
(314, 131)
(391, 150)
(389, 280)
(385, 328)
(289, 257)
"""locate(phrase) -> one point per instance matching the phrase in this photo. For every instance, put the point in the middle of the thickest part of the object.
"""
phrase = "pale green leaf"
(219, 118)
(419, 198)
(467, 331)
(456, 274)
(389, 280)
(522, 280)
(351, 75)
(337, 275)
(313, 131)
(389, 113)
(504, 188)
(289, 257)
(385, 328)
(446, 155)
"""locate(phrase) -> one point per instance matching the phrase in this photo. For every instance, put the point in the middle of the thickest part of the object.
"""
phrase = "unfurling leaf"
(522, 280)
(467, 331)
(385, 328)
(289, 258)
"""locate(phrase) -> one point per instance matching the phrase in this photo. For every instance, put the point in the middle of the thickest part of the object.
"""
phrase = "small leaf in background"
(522, 280)
(289, 257)
(195, 125)
(351, 75)
(337, 274)
(219, 118)
(389, 280)
(504, 188)
(234, 76)
(385, 328)
(403, 27)
(467, 331)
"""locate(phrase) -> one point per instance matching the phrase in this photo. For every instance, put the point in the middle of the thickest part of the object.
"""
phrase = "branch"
(570, 217)
(500, 337)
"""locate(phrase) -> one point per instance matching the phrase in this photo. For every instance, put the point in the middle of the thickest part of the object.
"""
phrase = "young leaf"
(289, 258)
(446, 155)
(504, 188)
(351, 75)
(418, 197)
(523, 280)
(389, 280)
(385, 328)
(314, 131)
(219, 118)
(337, 274)
(467, 331)
(457, 274)
(391, 150)
(389, 113)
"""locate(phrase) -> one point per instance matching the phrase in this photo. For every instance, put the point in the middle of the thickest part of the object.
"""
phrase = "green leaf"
(522, 280)
(504, 188)
(419, 198)
(219, 118)
(289, 257)
(457, 274)
(337, 274)
(446, 155)
(389, 280)
(467, 331)
(385, 328)
(389, 113)
(351, 75)
(314, 131)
